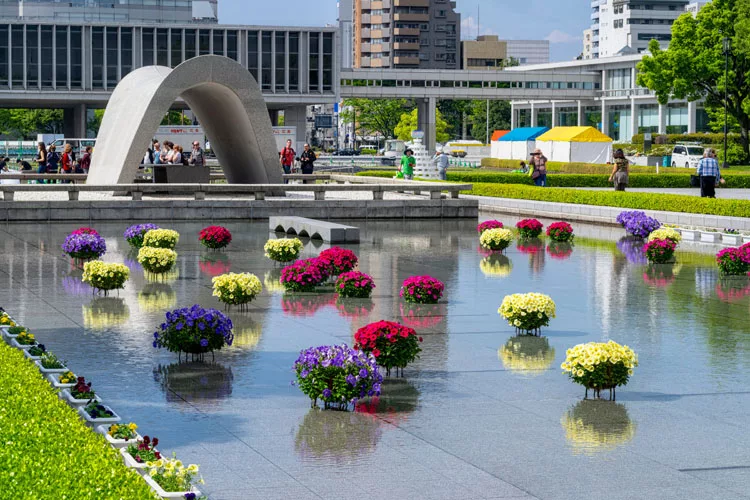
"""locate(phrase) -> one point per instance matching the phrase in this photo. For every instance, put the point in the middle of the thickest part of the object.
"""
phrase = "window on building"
(76, 57)
(32, 55)
(176, 37)
(218, 42)
(147, 40)
(294, 61)
(232, 45)
(190, 44)
(266, 62)
(280, 51)
(162, 47)
(314, 62)
(327, 62)
(112, 55)
(126, 51)
(4, 48)
(204, 42)
(252, 53)
(47, 56)
(97, 57)
(61, 56)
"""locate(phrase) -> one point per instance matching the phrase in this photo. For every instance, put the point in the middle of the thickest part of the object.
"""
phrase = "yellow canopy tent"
(575, 144)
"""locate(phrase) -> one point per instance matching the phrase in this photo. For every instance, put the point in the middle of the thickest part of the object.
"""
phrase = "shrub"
(105, 276)
(134, 234)
(215, 237)
(489, 224)
(392, 344)
(660, 251)
(598, 366)
(161, 238)
(527, 312)
(560, 231)
(496, 239)
(340, 260)
(703, 138)
(236, 289)
(305, 275)
(283, 250)
(84, 246)
(157, 260)
(422, 290)
(39, 447)
(194, 330)
(354, 284)
(529, 228)
(337, 375)
(733, 261)
(368, 151)
(638, 223)
(563, 167)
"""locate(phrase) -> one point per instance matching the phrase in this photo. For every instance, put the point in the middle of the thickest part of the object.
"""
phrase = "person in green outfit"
(408, 162)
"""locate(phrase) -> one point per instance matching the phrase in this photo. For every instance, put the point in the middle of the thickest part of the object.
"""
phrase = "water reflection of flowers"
(528, 354)
(560, 250)
(398, 399)
(74, 286)
(306, 305)
(103, 313)
(194, 382)
(496, 265)
(215, 264)
(732, 291)
(530, 246)
(592, 426)
(165, 278)
(419, 316)
(272, 283)
(337, 437)
(247, 332)
(632, 249)
(659, 276)
(157, 297)
(354, 308)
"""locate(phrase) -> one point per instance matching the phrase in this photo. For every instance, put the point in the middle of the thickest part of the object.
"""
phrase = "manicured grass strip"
(641, 201)
(47, 451)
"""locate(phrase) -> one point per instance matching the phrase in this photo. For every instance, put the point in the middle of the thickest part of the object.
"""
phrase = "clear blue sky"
(560, 21)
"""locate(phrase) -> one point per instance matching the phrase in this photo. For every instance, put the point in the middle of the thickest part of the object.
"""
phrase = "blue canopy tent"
(517, 144)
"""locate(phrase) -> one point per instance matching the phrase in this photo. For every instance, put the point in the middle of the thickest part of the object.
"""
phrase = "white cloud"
(470, 28)
(558, 36)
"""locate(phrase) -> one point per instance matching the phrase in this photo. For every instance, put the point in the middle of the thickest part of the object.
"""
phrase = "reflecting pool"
(482, 413)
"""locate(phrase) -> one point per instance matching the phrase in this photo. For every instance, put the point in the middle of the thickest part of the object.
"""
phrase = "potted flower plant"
(340, 260)
(80, 394)
(393, 345)
(120, 435)
(35, 352)
(97, 413)
(236, 289)
(6, 323)
(637, 223)
(283, 250)
(157, 260)
(84, 246)
(731, 237)
(24, 340)
(529, 228)
(422, 290)
(215, 237)
(598, 365)
(305, 275)
(64, 380)
(734, 261)
(169, 478)
(710, 235)
(489, 224)
(161, 238)
(560, 231)
(355, 284)
(137, 454)
(665, 233)
(527, 312)
(194, 330)
(14, 331)
(496, 239)
(660, 251)
(105, 276)
(337, 375)
(134, 234)
(50, 363)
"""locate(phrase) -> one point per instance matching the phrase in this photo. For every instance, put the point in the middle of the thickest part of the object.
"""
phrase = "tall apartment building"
(628, 26)
(406, 34)
(588, 49)
(119, 11)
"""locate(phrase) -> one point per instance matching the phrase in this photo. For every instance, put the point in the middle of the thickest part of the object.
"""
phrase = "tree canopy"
(26, 123)
(409, 123)
(375, 116)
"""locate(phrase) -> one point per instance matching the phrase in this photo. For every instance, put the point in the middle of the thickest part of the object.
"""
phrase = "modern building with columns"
(621, 109)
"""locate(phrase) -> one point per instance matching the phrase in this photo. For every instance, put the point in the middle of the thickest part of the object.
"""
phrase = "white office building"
(622, 27)
(528, 51)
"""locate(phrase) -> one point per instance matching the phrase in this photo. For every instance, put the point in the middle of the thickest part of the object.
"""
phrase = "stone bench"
(313, 228)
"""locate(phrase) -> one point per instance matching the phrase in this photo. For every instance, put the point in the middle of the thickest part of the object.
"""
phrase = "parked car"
(686, 155)
(458, 153)
(346, 152)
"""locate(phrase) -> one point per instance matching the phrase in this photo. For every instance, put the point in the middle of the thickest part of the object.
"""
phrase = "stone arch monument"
(226, 100)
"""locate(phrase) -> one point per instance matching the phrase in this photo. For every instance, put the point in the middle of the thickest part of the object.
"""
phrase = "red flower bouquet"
(529, 228)
(422, 290)
(215, 237)
(85, 230)
(560, 231)
(489, 224)
(340, 260)
(392, 344)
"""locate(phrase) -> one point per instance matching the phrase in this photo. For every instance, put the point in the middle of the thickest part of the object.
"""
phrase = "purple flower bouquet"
(134, 234)
(638, 223)
(337, 375)
(194, 330)
(84, 246)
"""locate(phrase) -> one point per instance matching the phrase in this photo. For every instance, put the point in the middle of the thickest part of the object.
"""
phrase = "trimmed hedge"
(47, 451)
(640, 201)
(568, 168)
(713, 138)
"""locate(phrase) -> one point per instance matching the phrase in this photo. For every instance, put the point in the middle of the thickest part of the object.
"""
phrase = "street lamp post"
(727, 47)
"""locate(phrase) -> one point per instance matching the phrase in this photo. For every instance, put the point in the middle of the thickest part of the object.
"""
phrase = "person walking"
(41, 160)
(408, 162)
(286, 158)
(538, 165)
(621, 171)
(307, 159)
(442, 160)
(197, 156)
(709, 174)
(86, 159)
(67, 161)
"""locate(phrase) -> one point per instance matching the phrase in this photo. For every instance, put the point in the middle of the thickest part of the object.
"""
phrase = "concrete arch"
(223, 95)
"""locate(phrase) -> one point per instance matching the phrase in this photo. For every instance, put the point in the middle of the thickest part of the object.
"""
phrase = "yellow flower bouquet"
(665, 233)
(236, 288)
(156, 260)
(6, 320)
(599, 365)
(161, 238)
(527, 312)
(496, 239)
(283, 250)
(105, 276)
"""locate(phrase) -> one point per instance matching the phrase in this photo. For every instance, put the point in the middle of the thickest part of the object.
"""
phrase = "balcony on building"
(406, 60)
(406, 31)
(405, 46)
(411, 17)
(411, 3)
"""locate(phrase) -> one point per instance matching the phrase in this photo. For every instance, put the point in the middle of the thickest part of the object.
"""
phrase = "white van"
(687, 155)
(78, 145)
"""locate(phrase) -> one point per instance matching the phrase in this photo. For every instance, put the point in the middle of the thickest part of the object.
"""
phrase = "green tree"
(693, 66)
(94, 123)
(409, 123)
(375, 116)
(27, 123)
(499, 118)
(456, 114)
(176, 118)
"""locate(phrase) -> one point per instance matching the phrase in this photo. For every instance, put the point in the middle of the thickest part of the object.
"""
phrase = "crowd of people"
(169, 153)
(50, 161)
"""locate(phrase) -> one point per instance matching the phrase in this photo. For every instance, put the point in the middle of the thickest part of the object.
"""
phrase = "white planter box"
(707, 237)
(689, 234)
(14, 343)
(117, 443)
(55, 383)
(130, 461)
(28, 355)
(66, 396)
(165, 494)
(745, 239)
(47, 371)
(731, 239)
(109, 420)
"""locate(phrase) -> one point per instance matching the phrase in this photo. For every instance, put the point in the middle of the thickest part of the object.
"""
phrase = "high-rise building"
(588, 49)
(628, 26)
(405, 34)
(346, 28)
(119, 11)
